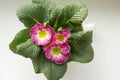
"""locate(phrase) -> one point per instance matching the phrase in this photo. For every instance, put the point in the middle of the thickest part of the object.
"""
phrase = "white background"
(106, 42)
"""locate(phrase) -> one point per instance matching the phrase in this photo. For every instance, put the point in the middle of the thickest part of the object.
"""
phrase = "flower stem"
(35, 20)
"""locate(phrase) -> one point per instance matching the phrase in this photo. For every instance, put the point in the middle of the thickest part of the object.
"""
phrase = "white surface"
(106, 42)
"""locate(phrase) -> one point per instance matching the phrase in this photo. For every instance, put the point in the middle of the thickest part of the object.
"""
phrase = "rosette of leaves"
(68, 17)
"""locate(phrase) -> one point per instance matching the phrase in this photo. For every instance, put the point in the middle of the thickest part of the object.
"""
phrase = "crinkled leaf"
(51, 70)
(79, 54)
(36, 63)
(28, 49)
(70, 17)
(86, 39)
(30, 14)
(74, 27)
(81, 49)
(76, 35)
(57, 18)
(76, 13)
(50, 6)
(21, 37)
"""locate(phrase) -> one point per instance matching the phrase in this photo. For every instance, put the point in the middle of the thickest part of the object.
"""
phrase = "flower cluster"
(54, 44)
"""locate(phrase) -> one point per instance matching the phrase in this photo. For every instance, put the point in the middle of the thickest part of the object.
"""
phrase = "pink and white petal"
(49, 55)
(48, 29)
(35, 39)
(36, 28)
(59, 59)
(60, 42)
(51, 28)
(40, 41)
(64, 41)
(44, 42)
(55, 39)
(65, 50)
(62, 57)
(34, 31)
(66, 33)
(47, 39)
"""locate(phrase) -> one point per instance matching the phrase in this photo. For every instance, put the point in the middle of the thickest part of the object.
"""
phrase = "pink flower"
(41, 34)
(46, 46)
(62, 36)
(58, 53)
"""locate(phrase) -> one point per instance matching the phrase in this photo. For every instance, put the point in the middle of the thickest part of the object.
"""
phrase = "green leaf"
(79, 54)
(70, 16)
(76, 13)
(51, 70)
(30, 14)
(81, 49)
(86, 39)
(36, 63)
(50, 6)
(21, 37)
(74, 27)
(57, 18)
(76, 35)
(28, 49)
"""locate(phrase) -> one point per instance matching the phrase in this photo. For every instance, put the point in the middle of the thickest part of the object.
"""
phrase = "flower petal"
(65, 50)
(36, 28)
(62, 36)
(66, 33)
(59, 60)
(58, 53)
(41, 35)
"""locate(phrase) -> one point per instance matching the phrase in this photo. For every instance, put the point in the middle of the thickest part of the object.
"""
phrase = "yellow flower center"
(42, 34)
(60, 38)
(56, 51)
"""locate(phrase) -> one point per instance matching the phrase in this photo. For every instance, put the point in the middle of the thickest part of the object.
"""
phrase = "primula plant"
(54, 36)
